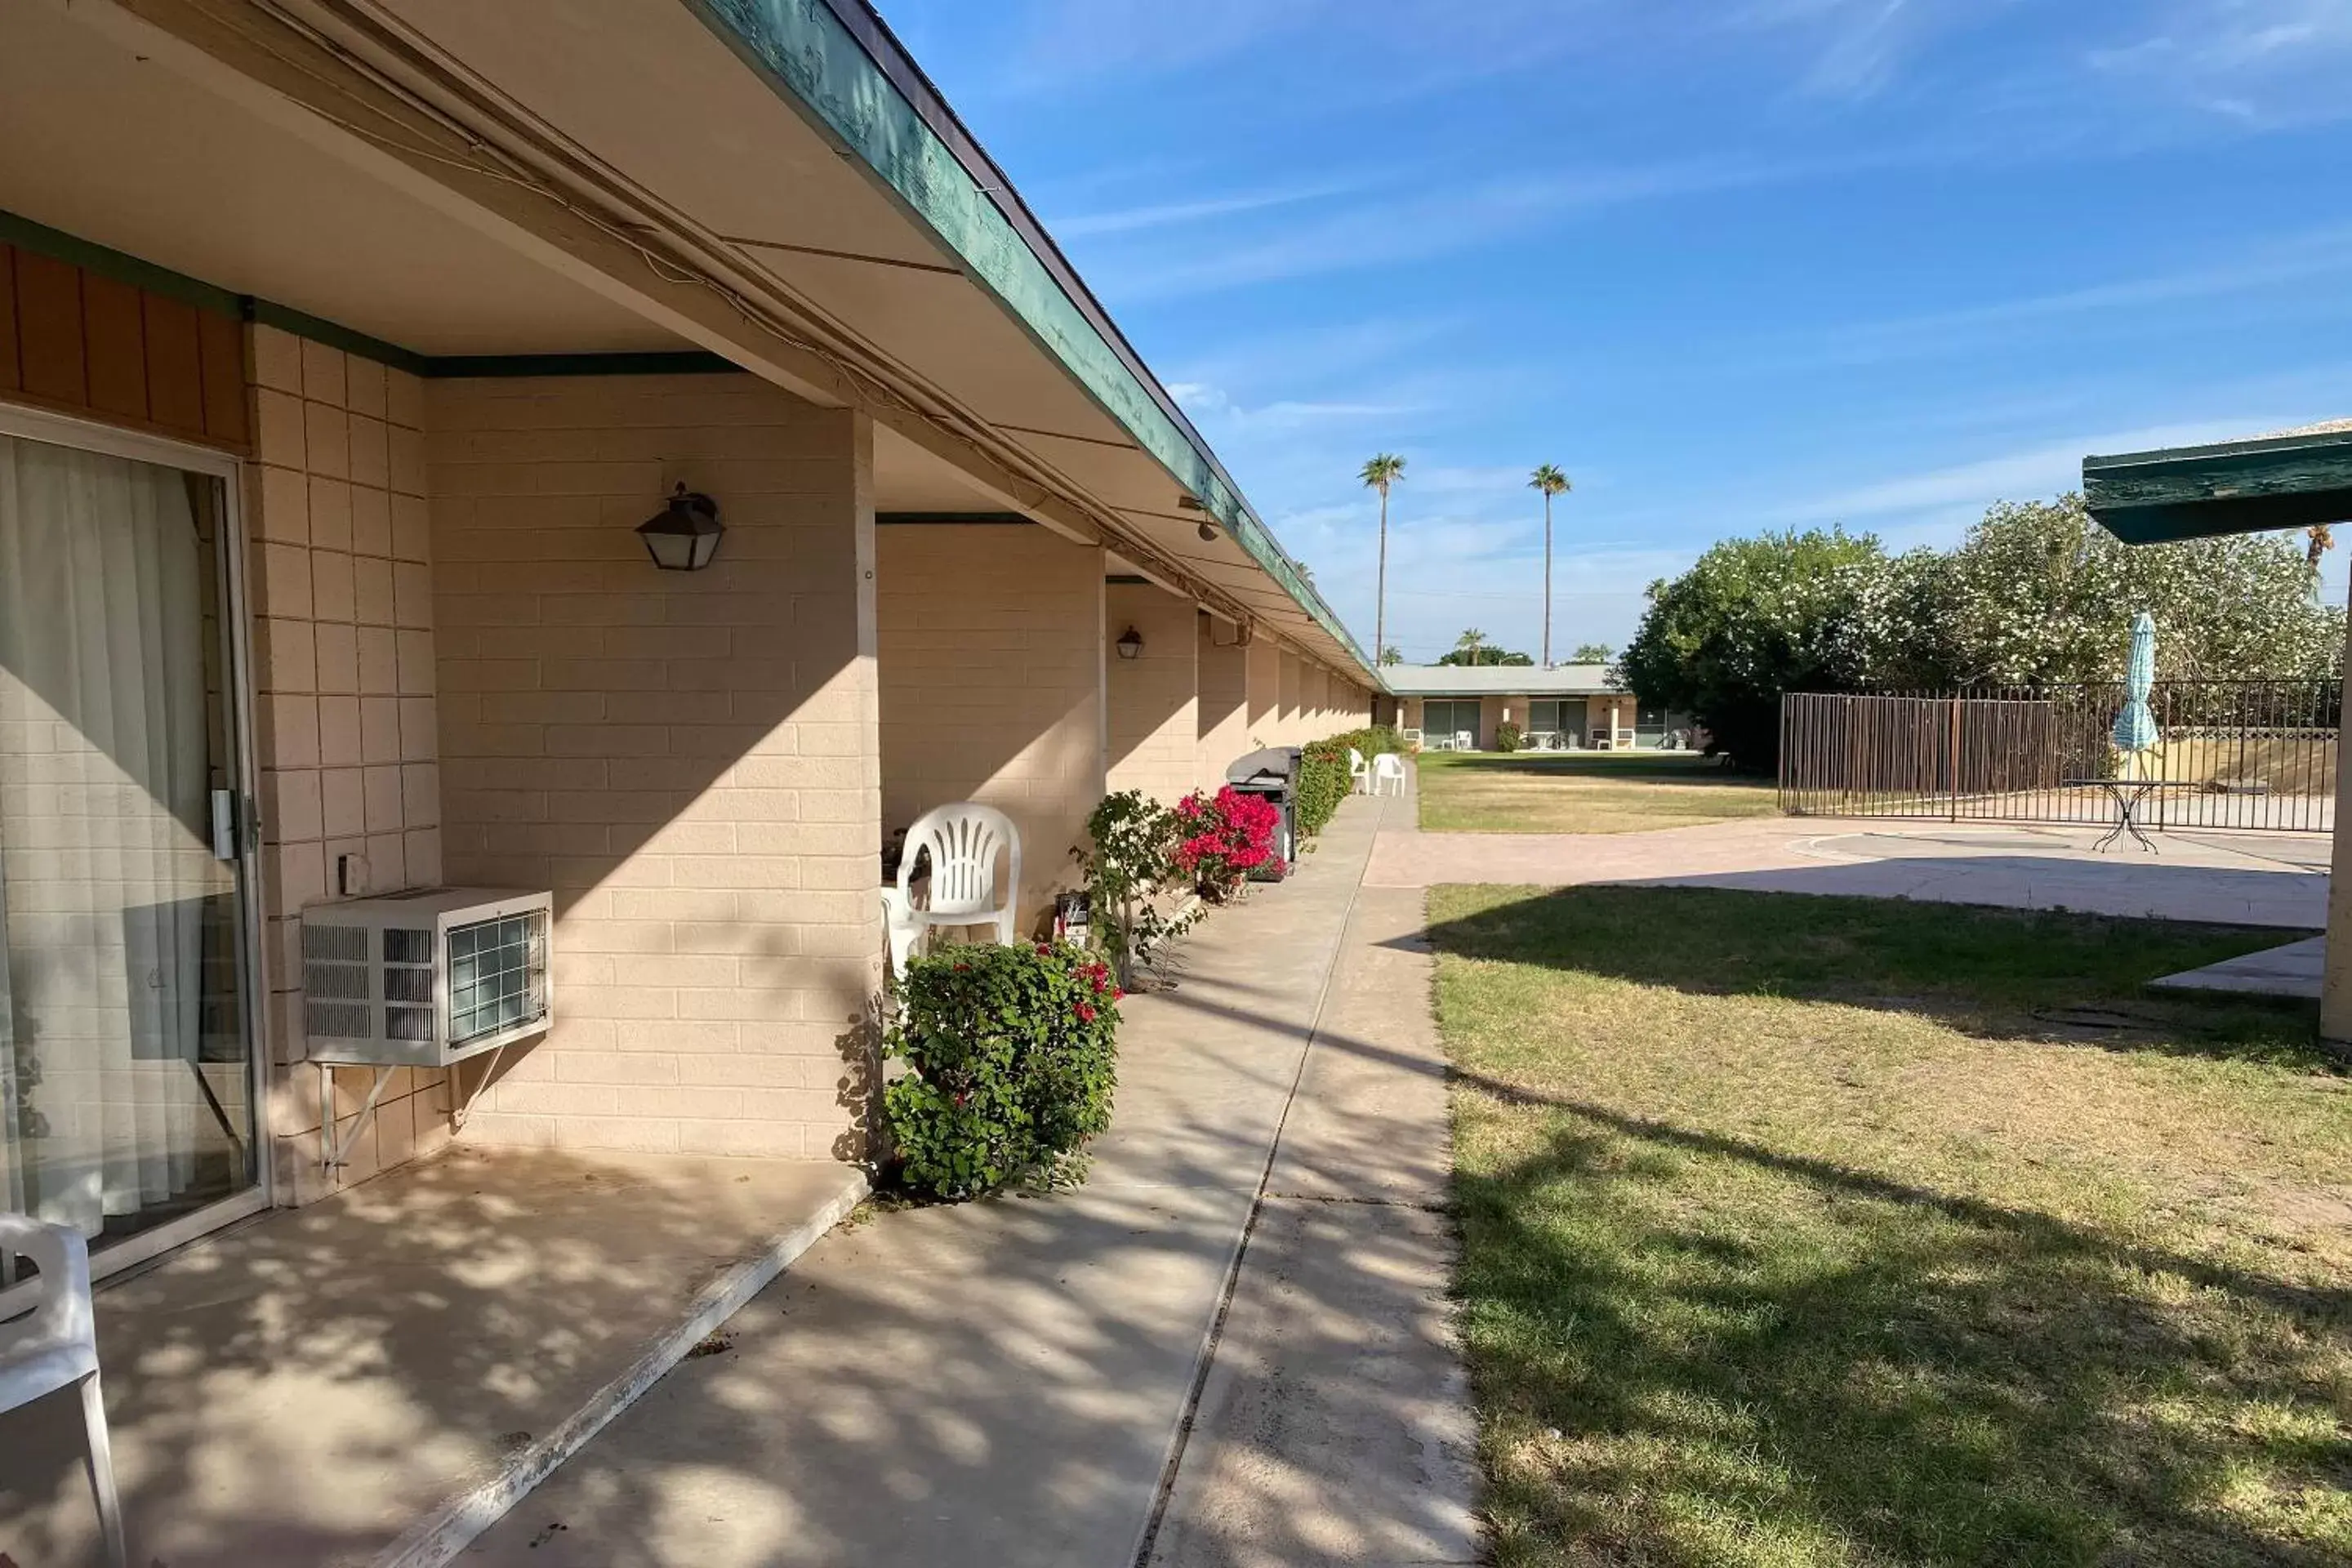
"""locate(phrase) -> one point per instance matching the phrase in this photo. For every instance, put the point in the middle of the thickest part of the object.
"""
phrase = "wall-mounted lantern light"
(685, 536)
(1208, 529)
(1130, 644)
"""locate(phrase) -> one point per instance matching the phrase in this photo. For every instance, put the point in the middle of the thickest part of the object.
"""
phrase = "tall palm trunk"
(1381, 589)
(1547, 651)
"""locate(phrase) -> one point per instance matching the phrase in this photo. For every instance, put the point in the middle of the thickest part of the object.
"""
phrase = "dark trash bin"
(1273, 773)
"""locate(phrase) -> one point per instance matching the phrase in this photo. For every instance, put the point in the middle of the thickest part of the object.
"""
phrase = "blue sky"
(1733, 264)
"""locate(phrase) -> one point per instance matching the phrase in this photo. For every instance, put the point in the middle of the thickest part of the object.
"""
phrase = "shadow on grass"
(1690, 1350)
(1704, 1344)
(1599, 767)
(2016, 973)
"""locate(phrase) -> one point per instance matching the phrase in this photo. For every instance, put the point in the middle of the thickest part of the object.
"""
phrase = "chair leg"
(101, 1472)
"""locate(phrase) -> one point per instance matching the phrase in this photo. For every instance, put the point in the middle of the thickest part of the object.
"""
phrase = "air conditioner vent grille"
(498, 974)
(408, 985)
(336, 1020)
(334, 944)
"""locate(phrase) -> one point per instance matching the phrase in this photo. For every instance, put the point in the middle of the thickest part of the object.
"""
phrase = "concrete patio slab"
(2295, 970)
(2245, 878)
(371, 1379)
(1000, 1383)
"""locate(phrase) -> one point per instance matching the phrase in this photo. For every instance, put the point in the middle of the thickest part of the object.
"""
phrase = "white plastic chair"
(55, 1346)
(1464, 741)
(1388, 768)
(961, 841)
(1359, 773)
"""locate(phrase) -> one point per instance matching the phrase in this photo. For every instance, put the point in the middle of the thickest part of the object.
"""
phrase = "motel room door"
(129, 1090)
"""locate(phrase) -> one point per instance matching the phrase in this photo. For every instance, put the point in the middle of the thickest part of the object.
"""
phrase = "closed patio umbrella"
(2136, 731)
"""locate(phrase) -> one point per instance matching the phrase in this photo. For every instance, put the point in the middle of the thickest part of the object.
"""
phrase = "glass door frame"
(229, 567)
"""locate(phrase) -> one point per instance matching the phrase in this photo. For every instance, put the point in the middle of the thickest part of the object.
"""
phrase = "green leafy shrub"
(1014, 1052)
(1323, 781)
(1508, 736)
(1130, 856)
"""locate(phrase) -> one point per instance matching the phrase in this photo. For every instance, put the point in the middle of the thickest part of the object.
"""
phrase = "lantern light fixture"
(683, 536)
(1130, 644)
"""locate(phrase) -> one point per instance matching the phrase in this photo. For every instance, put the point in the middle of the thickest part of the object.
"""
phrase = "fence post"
(1954, 773)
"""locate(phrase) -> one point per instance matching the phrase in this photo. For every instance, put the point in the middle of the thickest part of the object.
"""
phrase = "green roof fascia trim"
(807, 48)
(2235, 486)
(91, 257)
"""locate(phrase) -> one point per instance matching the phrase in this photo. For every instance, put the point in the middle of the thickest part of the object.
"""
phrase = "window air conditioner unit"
(425, 979)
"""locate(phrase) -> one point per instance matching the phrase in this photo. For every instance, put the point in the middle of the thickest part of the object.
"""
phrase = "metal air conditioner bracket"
(335, 1152)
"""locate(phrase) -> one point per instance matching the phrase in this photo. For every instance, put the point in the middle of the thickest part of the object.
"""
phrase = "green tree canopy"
(1592, 653)
(1750, 619)
(1473, 650)
(2036, 595)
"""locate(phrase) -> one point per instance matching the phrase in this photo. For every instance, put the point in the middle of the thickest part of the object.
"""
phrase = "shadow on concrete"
(998, 1382)
(301, 1390)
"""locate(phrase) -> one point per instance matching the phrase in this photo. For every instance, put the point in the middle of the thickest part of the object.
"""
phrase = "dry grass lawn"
(1584, 791)
(1822, 1231)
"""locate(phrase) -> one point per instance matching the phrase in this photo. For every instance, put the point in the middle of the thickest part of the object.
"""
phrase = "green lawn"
(1584, 791)
(1825, 1231)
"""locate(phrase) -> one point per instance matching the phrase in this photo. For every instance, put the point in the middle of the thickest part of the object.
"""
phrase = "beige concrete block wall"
(687, 759)
(1223, 705)
(339, 567)
(1290, 720)
(1495, 712)
(1263, 676)
(992, 684)
(1153, 699)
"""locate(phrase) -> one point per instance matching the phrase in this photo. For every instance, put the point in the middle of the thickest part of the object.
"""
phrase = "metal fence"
(2235, 754)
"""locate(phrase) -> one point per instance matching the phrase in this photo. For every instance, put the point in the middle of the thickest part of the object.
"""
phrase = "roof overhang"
(776, 183)
(2235, 486)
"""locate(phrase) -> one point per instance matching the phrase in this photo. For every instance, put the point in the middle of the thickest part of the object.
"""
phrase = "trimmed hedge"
(1323, 780)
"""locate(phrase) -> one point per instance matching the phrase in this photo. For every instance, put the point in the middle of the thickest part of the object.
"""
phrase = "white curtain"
(104, 860)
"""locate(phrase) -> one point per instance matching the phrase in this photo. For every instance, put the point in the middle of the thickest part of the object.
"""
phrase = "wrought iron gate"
(2239, 754)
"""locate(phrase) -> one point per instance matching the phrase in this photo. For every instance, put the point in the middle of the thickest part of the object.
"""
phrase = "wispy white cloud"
(1169, 215)
(2258, 63)
(1965, 489)
(1212, 407)
(1440, 219)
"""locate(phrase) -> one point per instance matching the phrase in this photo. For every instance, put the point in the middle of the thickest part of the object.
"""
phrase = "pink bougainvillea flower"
(1086, 1013)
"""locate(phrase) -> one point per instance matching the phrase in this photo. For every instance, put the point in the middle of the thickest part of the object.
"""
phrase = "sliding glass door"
(128, 1093)
(1444, 720)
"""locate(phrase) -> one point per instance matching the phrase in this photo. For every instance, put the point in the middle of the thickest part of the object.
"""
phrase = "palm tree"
(1552, 482)
(2322, 541)
(1385, 469)
(1471, 643)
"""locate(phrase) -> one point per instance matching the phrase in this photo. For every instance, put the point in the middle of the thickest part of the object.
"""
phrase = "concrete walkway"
(2238, 878)
(2297, 969)
(1014, 1381)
